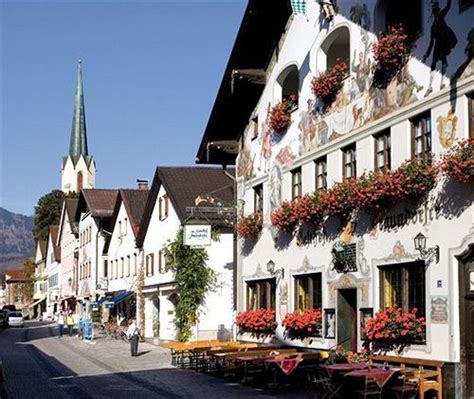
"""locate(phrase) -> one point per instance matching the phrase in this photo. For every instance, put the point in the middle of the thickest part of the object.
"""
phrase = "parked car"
(11, 308)
(3, 319)
(15, 319)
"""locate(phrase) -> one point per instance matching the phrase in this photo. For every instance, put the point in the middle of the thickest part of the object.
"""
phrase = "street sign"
(197, 235)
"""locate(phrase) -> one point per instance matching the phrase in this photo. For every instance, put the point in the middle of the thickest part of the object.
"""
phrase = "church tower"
(78, 168)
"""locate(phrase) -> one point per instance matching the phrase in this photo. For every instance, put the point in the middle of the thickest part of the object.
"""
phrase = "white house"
(122, 254)
(53, 271)
(173, 190)
(370, 125)
(94, 212)
(40, 289)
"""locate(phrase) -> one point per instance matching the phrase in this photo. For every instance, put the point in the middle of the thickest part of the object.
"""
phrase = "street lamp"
(426, 254)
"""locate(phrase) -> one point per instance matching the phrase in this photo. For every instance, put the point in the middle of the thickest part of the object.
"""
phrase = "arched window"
(408, 13)
(288, 83)
(335, 48)
(79, 181)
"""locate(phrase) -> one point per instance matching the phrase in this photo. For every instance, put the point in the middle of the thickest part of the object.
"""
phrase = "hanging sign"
(197, 235)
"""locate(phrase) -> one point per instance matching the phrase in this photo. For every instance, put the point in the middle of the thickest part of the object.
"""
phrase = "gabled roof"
(69, 208)
(99, 202)
(262, 26)
(183, 185)
(134, 202)
(53, 232)
(43, 248)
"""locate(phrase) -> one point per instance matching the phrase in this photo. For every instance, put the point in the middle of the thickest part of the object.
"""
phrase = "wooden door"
(466, 285)
(347, 319)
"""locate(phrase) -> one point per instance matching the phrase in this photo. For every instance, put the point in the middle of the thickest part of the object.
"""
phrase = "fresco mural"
(245, 164)
(447, 129)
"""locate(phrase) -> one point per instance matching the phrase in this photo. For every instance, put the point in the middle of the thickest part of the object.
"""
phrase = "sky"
(151, 72)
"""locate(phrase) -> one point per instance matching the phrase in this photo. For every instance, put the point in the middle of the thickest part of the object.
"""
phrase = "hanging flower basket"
(257, 322)
(392, 329)
(458, 163)
(329, 83)
(279, 118)
(249, 226)
(392, 49)
(284, 218)
(303, 324)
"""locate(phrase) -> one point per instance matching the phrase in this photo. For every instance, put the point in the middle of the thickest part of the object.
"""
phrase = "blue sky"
(151, 73)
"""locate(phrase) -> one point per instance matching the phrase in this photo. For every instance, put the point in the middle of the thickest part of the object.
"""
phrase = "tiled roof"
(71, 208)
(183, 185)
(53, 232)
(100, 202)
(14, 275)
(135, 202)
(43, 246)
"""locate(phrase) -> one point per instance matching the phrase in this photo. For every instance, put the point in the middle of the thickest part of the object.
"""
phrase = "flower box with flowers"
(249, 226)
(327, 84)
(392, 49)
(284, 218)
(458, 163)
(279, 118)
(257, 322)
(393, 329)
(303, 323)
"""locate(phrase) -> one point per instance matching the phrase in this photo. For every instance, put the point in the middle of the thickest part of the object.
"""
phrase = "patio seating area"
(317, 372)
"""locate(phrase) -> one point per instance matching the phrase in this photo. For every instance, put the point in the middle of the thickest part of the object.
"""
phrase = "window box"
(458, 163)
(329, 83)
(279, 119)
(303, 324)
(249, 226)
(257, 322)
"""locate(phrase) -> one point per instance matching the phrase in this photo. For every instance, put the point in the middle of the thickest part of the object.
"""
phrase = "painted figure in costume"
(407, 87)
(307, 126)
(442, 41)
(275, 187)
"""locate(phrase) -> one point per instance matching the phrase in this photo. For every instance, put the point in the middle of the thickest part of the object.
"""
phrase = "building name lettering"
(423, 216)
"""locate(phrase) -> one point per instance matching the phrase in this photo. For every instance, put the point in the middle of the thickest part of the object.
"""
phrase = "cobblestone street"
(38, 364)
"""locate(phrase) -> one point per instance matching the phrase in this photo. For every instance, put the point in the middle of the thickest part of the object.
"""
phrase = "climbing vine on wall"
(193, 280)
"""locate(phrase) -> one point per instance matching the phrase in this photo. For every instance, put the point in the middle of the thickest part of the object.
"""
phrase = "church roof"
(78, 144)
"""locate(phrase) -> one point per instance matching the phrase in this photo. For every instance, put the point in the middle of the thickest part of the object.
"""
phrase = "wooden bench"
(430, 372)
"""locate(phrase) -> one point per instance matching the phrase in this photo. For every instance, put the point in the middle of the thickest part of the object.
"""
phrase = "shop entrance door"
(347, 319)
(466, 305)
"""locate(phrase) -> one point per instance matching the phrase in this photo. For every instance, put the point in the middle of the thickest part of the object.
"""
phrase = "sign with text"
(197, 235)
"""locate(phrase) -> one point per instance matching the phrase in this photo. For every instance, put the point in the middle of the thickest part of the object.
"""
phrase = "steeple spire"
(78, 145)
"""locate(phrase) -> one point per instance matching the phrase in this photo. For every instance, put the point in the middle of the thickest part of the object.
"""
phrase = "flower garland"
(458, 163)
(392, 48)
(249, 226)
(258, 322)
(327, 84)
(392, 329)
(414, 179)
(279, 118)
(305, 323)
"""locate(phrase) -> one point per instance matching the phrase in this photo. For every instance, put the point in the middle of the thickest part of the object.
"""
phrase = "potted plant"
(303, 323)
(279, 118)
(393, 329)
(257, 322)
(327, 84)
(392, 49)
(249, 226)
(458, 163)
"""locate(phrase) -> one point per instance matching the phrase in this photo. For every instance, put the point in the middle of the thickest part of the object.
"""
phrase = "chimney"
(142, 184)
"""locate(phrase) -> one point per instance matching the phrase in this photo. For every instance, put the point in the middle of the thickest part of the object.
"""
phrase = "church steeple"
(78, 145)
(78, 167)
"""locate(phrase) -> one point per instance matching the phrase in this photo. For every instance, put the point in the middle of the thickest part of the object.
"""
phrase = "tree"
(26, 288)
(48, 212)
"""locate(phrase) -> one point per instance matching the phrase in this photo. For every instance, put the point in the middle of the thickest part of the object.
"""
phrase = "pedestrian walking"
(133, 334)
(70, 323)
(77, 323)
(60, 324)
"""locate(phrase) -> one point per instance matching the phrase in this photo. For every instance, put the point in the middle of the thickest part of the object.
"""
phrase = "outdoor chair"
(408, 385)
(323, 383)
(371, 389)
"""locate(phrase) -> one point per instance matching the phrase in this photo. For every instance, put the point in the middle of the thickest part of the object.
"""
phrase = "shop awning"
(119, 298)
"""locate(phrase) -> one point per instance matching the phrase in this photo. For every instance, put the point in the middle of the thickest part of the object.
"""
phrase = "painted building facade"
(40, 288)
(53, 271)
(369, 125)
(172, 191)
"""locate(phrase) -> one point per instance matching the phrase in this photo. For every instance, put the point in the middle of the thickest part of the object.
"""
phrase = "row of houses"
(348, 268)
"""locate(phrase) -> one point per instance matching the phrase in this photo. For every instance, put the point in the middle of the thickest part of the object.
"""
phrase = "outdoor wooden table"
(343, 368)
(381, 376)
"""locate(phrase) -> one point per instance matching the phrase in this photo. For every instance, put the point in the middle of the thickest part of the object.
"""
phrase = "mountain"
(16, 239)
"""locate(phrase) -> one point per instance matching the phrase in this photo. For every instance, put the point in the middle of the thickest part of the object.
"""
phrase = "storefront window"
(308, 291)
(261, 294)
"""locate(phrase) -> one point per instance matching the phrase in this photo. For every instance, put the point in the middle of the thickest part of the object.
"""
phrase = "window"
(116, 268)
(261, 294)
(288, 82)
(135, 264)
(124, 226)
(105, 268)
(404, 285)
(389, 13)
(150, 265)
(128, 265)
(308, 294)
(382, 151)
(111, 269)
(421, 136)
(321, 173)
(335, 48)
(163, 207)
(122, 267)
(254, 128)
(296, 184)
(470, 105)
(258, 198)
(349, 162)
(161, 262)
